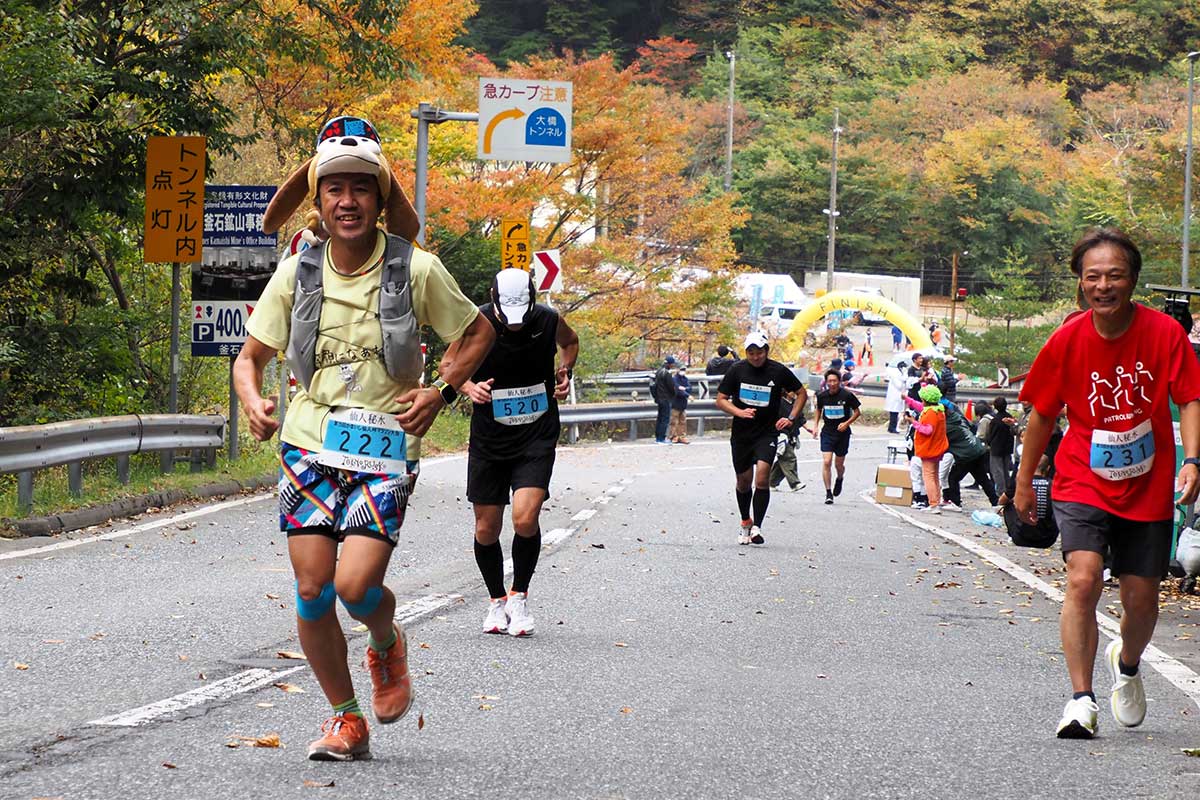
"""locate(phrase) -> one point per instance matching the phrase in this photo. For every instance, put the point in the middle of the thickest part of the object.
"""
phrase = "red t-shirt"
(1119, 451)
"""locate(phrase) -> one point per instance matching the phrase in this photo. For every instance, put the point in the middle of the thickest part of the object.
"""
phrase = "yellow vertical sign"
(174, 199)
(514, 244)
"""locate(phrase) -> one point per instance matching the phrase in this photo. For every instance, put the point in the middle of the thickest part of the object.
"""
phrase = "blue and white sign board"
(219, 327)
(233, 216)
(525, 120)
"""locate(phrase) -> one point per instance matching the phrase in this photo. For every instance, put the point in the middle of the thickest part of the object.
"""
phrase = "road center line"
(1170, 668)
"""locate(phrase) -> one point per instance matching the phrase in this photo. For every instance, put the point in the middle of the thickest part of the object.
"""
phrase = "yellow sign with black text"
(174, 199)
(514, 244)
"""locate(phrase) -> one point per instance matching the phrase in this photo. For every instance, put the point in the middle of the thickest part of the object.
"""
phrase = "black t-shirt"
(523, 415)
(834, 408)
(760, 389)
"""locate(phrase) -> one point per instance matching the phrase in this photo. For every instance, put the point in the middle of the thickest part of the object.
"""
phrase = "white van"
(776, 319)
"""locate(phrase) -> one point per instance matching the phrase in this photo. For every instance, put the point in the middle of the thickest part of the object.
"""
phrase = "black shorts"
(747, 452)
(836, 442)
(1138, 548)
(489, 480)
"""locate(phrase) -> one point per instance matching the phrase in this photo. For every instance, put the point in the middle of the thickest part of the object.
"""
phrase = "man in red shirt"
(1114, 368)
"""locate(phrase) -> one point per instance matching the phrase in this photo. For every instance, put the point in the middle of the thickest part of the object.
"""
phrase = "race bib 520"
(755, 396)
(1119, 456)
(364, 441)
(519, 406)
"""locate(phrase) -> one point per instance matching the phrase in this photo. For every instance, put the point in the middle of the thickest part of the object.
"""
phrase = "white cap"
(755, 339)
(511, 295)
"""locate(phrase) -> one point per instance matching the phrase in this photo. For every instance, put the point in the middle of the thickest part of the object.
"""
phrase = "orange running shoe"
(393, 693)
(346, 739)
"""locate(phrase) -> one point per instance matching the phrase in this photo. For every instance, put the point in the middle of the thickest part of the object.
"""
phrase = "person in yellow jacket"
(930, 443)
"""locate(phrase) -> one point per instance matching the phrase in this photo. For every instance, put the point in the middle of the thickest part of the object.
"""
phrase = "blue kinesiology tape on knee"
(369, 603)
(313, 610)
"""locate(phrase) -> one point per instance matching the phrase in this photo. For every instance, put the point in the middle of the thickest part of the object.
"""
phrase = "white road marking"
(689, 469)
(149, 526)
(242, 682)
(586, 514)
(614, 490)
(557, 535)
(1173, 670)
(253, 679)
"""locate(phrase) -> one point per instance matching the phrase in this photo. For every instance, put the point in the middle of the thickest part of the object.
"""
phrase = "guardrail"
(28, 448)
(632, 413)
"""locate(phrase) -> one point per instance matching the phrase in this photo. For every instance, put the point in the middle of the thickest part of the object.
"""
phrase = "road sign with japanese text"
(233, 216)
(514, 244)
(174, 199)
(219, 327)
(524, 120)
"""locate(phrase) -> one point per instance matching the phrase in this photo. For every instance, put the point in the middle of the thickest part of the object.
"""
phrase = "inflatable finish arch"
(793, 343)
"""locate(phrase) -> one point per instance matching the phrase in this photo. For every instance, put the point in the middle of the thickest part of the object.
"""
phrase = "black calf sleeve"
(743, 501)
(525, 551)
(762, 498)
(490, 558)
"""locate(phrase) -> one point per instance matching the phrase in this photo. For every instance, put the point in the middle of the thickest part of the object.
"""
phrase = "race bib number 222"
(364, 441)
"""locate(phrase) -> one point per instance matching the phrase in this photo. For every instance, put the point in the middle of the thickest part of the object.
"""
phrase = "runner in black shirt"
(514, 430)
(751, 392)
(837, 409)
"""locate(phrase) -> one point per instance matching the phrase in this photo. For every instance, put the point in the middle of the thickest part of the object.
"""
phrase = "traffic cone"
(969, 413)
(871, 357)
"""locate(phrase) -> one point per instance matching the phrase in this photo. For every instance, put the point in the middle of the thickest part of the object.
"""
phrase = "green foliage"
(1011, 347)
(1015, 292)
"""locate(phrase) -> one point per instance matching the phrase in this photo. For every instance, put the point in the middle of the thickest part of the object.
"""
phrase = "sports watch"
(449, 393)
(1193, 460)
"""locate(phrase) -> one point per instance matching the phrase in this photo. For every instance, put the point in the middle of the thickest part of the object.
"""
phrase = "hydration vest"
(398, 324)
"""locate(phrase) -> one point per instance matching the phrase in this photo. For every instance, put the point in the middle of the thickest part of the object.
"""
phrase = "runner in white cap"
(751, 392)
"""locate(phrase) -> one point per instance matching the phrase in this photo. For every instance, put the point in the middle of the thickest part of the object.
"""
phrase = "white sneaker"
(743, 534)
(496, 620)
(1079, 720)
(934, 510)
(520, 621)
(947, 505)
(756, 536)
(1128, 693)
(799, 487)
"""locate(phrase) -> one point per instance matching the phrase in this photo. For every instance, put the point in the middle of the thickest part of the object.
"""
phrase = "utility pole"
(732, 56)
(832, 210)
(1187, 170)
(953, 296)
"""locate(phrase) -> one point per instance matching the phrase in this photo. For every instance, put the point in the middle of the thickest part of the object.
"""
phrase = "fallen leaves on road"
(1192, 751)
(290, 688)
(947, 585)
(267, 740)
(291, 654)
(52, 641)
(620, 644)
(310, 784)
(485, 697)
(424, 645)
(272, 596)
(598, 546)
(265, 705)
(95, 637)
(626, 710)
(169, 765)
(420, 722)
(484, 707)
(20, 666)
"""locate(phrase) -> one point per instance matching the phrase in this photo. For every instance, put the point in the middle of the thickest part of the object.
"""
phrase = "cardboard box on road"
(893, 485)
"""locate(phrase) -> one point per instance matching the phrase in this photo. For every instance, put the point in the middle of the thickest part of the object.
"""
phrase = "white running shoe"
(743, 534)
(520, 621)
(756, 536)
(1079, 720)
(1128, 693)
(496, 620)
(934, 510)
(948, 505)
(799, 487)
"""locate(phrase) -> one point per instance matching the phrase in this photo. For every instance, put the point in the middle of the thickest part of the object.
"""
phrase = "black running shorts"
(489, 480)
(1138, 548)
(746, 452)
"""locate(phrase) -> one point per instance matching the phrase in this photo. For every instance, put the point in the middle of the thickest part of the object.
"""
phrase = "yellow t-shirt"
(349, 355)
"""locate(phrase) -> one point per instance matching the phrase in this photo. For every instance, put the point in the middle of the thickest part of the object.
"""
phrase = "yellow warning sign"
(174, 199)
(514, 244)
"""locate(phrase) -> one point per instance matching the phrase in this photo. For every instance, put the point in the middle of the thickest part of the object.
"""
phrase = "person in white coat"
(897, 378)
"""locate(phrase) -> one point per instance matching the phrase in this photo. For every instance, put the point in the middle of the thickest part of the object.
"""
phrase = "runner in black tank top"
(514, 430)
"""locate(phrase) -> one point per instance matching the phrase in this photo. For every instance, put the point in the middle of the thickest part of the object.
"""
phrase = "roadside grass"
(51, 492)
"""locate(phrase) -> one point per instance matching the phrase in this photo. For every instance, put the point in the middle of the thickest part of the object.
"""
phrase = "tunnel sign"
(524, 120)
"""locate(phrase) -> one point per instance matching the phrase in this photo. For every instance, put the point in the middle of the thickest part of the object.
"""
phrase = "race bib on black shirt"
(761, 389)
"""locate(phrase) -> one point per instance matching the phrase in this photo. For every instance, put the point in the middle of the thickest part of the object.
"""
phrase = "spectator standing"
(948, 380)
(664, 395)
(683, 388)
(720, 363)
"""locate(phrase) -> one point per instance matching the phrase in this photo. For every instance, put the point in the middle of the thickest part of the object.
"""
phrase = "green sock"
(348, 707)
(381, 647)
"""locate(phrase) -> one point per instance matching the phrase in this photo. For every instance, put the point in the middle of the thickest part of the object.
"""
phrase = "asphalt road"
(855, 655)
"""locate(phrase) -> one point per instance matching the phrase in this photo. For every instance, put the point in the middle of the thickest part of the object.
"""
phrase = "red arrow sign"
(548, 259)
